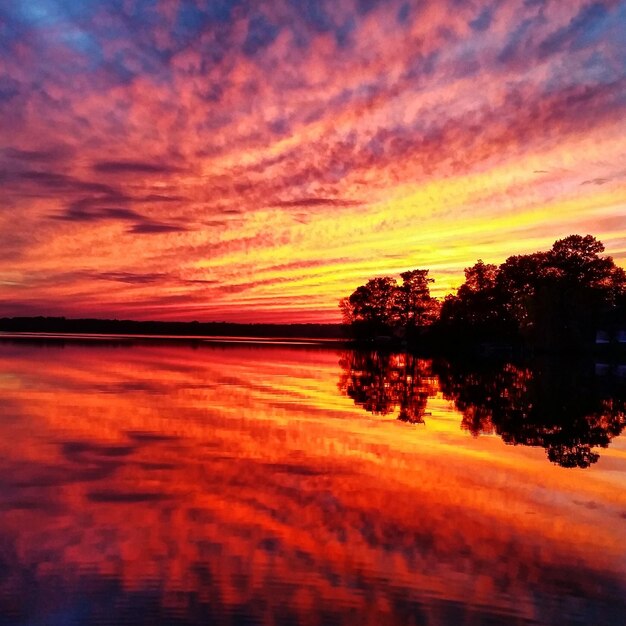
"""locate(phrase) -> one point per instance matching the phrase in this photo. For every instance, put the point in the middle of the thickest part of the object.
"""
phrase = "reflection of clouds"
(330, 129)
(217, 475)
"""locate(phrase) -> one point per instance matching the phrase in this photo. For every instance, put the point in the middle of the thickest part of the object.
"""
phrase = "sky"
(249, 161)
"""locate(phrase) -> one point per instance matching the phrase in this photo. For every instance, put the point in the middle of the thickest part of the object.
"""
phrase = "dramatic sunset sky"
(256, 161)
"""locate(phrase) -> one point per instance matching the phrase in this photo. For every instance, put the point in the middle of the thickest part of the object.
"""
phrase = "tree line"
(555, 299)
(62, 325)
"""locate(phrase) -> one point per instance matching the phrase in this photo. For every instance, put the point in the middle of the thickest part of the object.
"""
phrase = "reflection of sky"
(236, 160)
(224, 475)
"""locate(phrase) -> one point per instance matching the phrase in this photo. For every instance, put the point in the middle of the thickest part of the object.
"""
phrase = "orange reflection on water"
(239, 483)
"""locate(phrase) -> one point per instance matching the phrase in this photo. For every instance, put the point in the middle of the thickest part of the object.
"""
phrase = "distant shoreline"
(88, 338)
(59, 327)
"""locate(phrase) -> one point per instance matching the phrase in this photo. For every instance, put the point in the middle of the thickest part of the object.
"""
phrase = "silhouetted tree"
(382, 307)
(415, 307)
(370, 309)
(578, 285)
(477, 311)
(552, 300)
(518, 280)
(557, 297)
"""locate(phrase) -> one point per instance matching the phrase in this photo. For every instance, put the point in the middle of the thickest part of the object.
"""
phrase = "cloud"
(596, 181)
(89, 210)
(261, 33)
(578, 32)
(120, 213)
(519, 41)
(132, 278)
(151, 228)
(158, 197)
(134, 167)
(53, 154)
(86, 211)
(316, 202)
(9, 89)
(483, 20)
(55, 181)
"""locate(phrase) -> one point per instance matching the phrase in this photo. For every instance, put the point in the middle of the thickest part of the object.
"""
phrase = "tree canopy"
(384, 307)
(555, 298)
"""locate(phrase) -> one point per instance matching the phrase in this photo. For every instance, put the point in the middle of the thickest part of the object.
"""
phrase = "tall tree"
(518, 281)
(382, 307)
(558, 297)
(415, 307)
(370, 309)
(477, 311)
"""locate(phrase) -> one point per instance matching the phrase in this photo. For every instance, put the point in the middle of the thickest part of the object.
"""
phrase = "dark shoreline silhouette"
(87, 326)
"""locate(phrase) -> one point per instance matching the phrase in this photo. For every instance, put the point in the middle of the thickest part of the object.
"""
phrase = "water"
(274, 485)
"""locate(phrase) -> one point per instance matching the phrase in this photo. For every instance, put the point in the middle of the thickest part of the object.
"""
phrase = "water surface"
(274, 485)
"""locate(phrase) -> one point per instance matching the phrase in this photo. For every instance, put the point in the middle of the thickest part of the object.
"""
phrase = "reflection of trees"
(563, 408)
(382, 383)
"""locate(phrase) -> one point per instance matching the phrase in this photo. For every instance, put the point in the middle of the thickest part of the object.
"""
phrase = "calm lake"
(269, 484)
